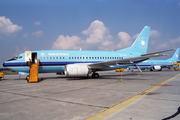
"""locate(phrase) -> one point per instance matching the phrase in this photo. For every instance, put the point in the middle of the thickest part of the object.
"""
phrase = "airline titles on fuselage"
(58, 54)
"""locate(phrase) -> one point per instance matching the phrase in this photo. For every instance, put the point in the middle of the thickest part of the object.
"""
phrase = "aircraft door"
(34, 58)
(28, 56)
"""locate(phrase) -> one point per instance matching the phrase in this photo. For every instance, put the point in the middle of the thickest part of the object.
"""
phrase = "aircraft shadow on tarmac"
(125, 76)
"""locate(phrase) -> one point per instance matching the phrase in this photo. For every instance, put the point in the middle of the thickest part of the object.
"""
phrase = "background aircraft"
(157, 64)
(75, 63)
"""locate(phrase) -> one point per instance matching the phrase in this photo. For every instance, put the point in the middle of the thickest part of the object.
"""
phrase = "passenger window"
(89, 57)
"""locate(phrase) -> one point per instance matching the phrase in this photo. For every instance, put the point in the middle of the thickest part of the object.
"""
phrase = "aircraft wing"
(157, 52)
(128, 61)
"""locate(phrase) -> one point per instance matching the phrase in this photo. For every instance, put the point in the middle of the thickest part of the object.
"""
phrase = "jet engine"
(157, 67)
(77, 70)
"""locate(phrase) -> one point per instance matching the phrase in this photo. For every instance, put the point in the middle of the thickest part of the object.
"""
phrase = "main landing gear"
(95, 75)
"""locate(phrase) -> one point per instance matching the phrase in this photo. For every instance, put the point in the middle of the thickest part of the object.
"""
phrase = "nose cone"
(3, 64)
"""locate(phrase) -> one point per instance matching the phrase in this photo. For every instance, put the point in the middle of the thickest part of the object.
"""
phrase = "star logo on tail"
(142, 43)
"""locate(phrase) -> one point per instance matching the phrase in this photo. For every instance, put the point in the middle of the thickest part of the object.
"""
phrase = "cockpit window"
(15, 58)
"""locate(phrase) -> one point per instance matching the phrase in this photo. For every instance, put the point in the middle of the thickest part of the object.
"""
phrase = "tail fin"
(140, 45)
(175, 57)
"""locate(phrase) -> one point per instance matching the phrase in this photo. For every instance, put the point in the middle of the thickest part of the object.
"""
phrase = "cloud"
(67, 42)
(18, 50)
(98, 38)
(168, 43)
(7, 27)
(125, 40)
(97, 32)
(179, 3)
(163, 46)
(38, 33)
(154, 33)
(37, 23)
(175, 41)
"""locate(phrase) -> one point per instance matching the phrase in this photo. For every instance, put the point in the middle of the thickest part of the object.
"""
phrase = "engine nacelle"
(76, 70)
(157, 67)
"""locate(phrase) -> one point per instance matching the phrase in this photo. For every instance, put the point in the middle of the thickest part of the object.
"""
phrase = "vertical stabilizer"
(175, 57)
(140, 45)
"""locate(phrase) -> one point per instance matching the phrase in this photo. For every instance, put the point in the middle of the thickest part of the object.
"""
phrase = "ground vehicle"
(1, 75)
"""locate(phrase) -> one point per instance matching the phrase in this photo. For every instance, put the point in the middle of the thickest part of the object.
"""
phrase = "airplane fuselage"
(55, 60)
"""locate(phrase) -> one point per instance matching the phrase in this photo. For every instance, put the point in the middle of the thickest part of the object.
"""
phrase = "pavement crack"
(76, 103)
(32, 96)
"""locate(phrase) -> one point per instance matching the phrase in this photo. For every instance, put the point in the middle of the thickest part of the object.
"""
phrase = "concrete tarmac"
(138, 97)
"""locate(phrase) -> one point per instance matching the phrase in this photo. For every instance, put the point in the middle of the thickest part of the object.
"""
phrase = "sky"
(86, 24)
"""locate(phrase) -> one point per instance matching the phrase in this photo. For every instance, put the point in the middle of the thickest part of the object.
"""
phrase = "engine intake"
(77, 70)
(157, 67)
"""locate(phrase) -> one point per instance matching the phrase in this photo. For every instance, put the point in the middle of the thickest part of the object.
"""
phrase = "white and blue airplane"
(74, 63)
(157, 64)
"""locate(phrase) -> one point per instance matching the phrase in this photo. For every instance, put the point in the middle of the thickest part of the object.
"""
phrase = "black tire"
(95, 75)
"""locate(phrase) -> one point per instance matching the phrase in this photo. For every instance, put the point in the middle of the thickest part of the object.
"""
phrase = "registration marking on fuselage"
(127, 102)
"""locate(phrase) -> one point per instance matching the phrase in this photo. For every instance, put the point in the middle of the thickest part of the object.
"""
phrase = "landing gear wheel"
(95, 75)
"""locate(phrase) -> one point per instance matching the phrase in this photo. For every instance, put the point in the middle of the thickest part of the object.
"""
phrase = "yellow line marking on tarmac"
(125, 103)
